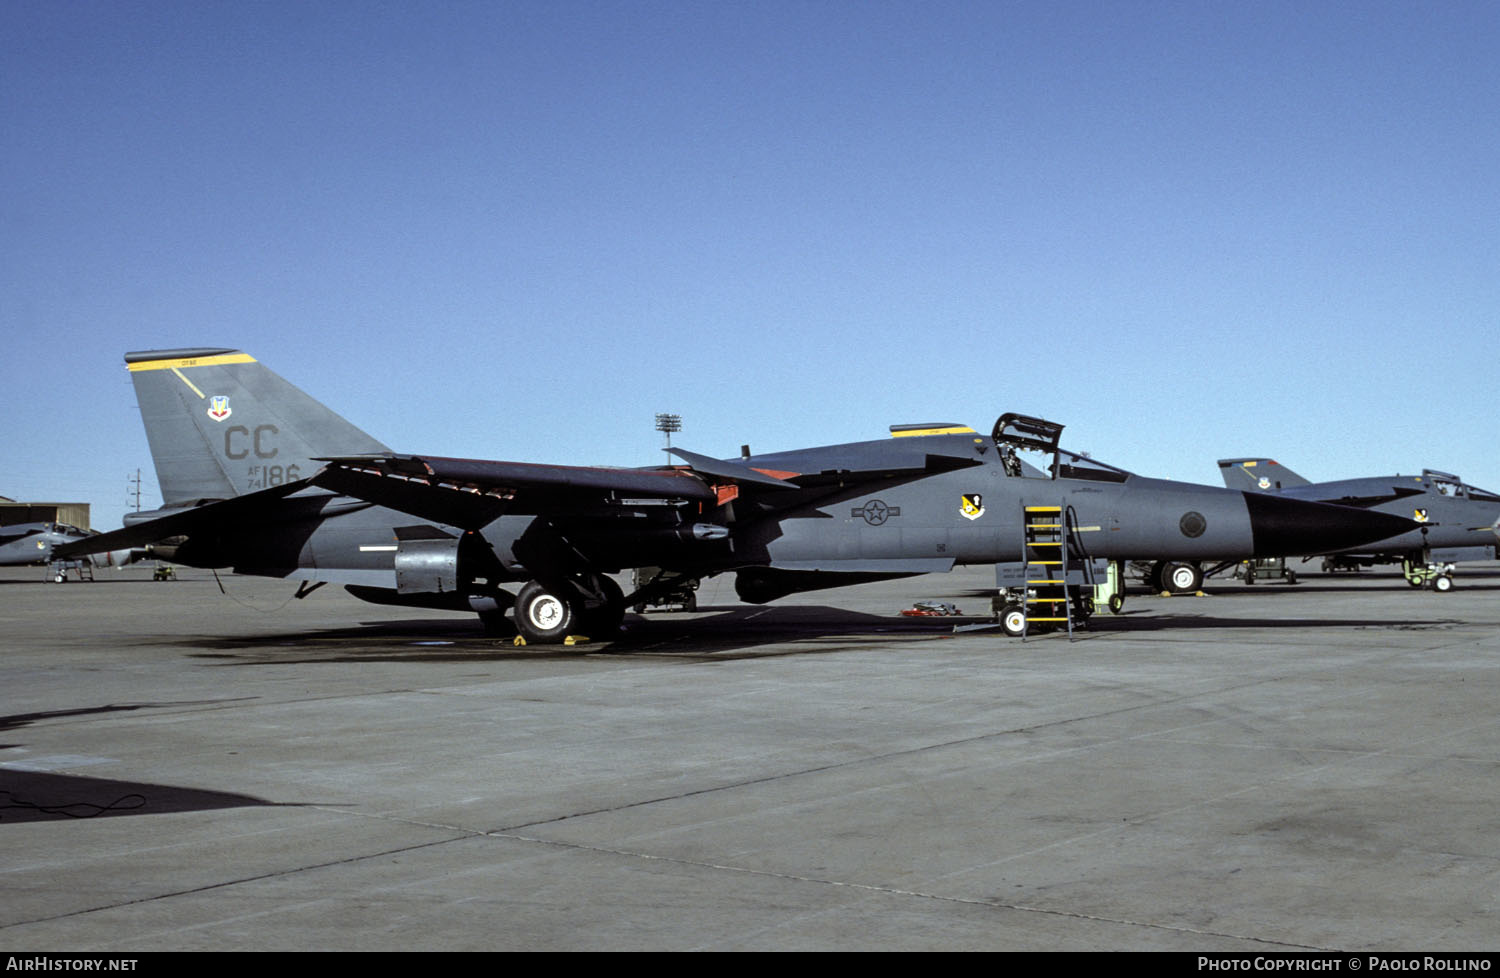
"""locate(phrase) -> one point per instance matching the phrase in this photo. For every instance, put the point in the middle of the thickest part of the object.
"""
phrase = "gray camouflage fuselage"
(258, 476)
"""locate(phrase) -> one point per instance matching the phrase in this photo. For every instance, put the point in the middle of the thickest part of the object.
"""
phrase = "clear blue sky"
(517, 230)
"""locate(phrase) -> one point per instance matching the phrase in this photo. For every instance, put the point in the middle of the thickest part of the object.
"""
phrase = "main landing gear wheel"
(1178, 576)
(545, 616)
(591, 605)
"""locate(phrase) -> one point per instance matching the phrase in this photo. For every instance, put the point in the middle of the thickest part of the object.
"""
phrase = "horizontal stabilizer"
(210, 516)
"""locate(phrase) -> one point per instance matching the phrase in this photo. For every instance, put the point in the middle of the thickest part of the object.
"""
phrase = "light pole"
(668, 423)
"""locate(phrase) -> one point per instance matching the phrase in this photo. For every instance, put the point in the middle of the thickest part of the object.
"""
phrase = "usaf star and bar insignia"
(876, 512)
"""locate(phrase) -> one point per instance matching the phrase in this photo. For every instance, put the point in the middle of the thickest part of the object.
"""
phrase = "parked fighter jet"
(36, 543)
(258, 476)
(1454, 521)
(32, 543)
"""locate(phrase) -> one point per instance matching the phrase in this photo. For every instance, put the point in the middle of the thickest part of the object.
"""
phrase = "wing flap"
(470, 493)
(487, 476)
(466, 508)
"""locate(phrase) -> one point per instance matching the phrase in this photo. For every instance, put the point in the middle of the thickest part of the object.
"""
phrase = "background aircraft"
(1454, 521)
(258, 476)
(34, 543)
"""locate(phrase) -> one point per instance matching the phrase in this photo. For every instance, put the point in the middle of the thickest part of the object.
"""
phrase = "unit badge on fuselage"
(971, 505)
(218, 407)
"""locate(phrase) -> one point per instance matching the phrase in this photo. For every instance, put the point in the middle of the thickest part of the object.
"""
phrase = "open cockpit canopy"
(1016, 433)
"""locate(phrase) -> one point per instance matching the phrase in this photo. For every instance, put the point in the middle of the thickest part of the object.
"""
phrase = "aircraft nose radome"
(1282, 526)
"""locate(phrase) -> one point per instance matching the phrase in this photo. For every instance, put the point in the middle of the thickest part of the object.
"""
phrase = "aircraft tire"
(1181, 577)
(1013, 620)
(1083, 608)
(1154, 578)
(1442, 583)
(544, 616)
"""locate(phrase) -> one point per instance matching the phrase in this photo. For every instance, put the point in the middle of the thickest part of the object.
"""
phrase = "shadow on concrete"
(17, 720)
(1160, 620)
(40, 796)
(710, 634)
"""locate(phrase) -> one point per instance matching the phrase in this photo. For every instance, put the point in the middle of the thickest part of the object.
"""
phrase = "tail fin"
(221, 425)
(1264, 474)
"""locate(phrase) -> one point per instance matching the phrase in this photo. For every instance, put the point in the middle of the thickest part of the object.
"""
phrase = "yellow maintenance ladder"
(1047, 560)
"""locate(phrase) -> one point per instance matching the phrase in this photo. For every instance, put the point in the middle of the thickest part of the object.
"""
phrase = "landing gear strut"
(603, 606)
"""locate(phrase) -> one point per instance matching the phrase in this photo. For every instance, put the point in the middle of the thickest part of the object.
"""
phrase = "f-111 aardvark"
(1453, 521)
(38, 543)
(259, 477)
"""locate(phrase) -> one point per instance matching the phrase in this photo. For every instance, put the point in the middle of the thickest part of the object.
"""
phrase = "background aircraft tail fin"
(1264, 474)
(220, 424)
